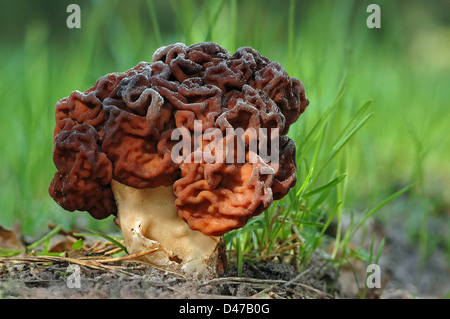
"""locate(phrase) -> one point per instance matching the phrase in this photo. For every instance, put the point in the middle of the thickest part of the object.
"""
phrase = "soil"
(403, 276)
(133, 280)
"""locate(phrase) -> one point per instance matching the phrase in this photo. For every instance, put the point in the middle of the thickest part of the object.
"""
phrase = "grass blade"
(379, 206)
(49, 235)
(155, 23)
(342, 142)
(326, 187)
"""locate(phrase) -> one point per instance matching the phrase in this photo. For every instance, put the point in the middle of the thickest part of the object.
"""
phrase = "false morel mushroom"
(117, 150)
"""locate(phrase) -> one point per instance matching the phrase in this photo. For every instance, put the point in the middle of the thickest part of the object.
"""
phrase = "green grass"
(377, 121)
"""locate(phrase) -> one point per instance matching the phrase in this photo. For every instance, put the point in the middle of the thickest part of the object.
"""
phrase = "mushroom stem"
(148, 219)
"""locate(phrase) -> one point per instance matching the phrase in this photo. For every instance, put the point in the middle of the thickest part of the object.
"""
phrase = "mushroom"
(114, 150)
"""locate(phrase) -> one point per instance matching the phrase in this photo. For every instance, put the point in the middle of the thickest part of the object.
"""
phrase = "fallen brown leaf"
(10, 240)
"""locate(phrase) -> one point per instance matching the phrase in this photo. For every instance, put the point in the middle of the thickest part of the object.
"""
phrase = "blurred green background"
(403, 67)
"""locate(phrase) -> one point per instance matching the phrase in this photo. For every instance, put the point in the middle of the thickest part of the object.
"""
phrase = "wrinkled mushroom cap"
(121, 129)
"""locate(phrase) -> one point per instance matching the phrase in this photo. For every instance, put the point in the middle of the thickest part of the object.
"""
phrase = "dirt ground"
(137, 280)
(27, 277)
(132, 280)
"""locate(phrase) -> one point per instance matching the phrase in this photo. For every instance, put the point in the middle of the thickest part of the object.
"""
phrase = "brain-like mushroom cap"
(122, 129)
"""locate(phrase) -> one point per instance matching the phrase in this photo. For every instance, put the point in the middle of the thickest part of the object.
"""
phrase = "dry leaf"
(10, 240)
(62, 243)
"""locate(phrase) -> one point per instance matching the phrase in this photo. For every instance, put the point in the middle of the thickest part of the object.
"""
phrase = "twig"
(128, 257)
(293, 280)
(237, 280)
(95, 263)
(271, 282)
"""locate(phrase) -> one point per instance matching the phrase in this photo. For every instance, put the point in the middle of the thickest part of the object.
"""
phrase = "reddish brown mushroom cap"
(121, 129)
(84, 172)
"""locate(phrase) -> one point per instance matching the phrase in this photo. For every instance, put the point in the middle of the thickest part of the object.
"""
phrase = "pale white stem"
(148, 219)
